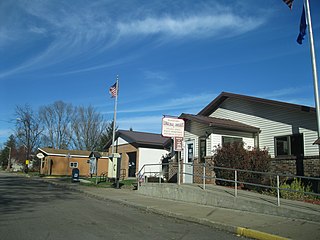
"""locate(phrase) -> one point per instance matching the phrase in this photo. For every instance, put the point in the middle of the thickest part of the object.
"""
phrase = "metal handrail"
(235, 180)
(266, 173)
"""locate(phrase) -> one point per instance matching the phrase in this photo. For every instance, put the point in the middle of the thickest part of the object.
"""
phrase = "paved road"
(32, 209)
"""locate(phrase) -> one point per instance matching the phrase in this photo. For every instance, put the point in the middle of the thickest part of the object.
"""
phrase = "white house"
(287, 130)
(138, 149)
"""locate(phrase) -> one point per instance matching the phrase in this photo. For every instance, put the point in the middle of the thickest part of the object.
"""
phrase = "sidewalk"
(254, 225)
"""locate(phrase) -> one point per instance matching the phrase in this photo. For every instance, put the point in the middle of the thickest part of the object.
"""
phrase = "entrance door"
(132, 164)
(188, 161)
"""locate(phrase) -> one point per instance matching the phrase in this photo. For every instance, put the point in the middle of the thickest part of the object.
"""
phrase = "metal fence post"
(204, 176)
(235, 183)
(138, 182)
(179, 169)
(278, 190)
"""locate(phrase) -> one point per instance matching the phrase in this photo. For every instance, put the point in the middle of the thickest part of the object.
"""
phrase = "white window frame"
(233, 139)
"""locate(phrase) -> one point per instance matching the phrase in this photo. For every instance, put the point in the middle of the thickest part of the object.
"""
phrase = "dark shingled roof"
(52, 151)
(141, 139)
(220, 123)
(212, 106)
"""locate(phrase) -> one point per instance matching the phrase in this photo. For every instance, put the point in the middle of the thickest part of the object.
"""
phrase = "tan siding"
(60, 165)
(123, 150)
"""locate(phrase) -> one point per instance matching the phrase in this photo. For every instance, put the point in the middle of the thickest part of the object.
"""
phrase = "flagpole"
(314, 64)
(115, 115)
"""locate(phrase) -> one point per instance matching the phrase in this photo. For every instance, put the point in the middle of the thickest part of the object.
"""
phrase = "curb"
(257, 234)
(240, 231)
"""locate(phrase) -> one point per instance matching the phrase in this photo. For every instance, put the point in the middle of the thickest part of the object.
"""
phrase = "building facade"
(288, 131)
(60, 162)
(137, 151)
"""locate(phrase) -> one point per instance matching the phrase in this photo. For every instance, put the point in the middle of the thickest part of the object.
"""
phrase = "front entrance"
(132, 164)
(188, 161)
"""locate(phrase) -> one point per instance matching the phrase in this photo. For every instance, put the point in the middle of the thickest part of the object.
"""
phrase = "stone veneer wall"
(287, 165)
(197, 170)
(172, 173)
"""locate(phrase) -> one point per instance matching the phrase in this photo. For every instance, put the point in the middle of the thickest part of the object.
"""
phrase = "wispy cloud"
(89, 29)
(156, 83)
(187, 103)
(291, 95)
(281, 92)
(196, 26)
(174, 107)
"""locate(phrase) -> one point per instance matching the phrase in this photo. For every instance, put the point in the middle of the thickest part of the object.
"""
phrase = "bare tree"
(57, 119)
(88, 128)
(28, 128)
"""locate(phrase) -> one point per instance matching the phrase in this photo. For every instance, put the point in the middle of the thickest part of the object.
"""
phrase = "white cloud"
(38, 30)
(290, 95)
(174, 107)
(196, 26)
(187, 104)
(282, 92)
(89, 29)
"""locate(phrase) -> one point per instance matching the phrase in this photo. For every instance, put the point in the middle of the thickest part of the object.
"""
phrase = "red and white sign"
(172, 127)
(177, 144)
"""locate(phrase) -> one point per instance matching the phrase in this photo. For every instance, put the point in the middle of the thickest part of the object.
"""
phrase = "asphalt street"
(33, 209)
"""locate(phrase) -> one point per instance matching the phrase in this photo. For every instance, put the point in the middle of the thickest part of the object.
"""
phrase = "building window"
(283, 146)
(190, 152)
(202, 150)
(289, 145)
(73, 164)
(229, 140)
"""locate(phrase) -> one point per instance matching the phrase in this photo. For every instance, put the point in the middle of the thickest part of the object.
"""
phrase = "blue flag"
(303, 27)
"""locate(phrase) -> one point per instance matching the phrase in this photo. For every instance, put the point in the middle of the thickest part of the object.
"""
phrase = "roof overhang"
(67, 153)
(215, 104)
(220, 123)
(140, 139)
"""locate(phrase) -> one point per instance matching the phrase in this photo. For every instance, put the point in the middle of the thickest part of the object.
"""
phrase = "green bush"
(295, 190)
(234, 155)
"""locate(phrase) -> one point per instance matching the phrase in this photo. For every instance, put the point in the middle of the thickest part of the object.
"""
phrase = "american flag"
(289, 3)
(113, 90)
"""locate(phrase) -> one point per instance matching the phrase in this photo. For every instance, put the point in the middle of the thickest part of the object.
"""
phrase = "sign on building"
(177, 144)
(172, 127)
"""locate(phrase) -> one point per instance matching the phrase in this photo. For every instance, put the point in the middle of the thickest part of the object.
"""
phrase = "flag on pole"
(113, 90)
(303, 27)
(289, 3)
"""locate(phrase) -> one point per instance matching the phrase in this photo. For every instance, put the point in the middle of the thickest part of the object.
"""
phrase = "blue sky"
(171, 56)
